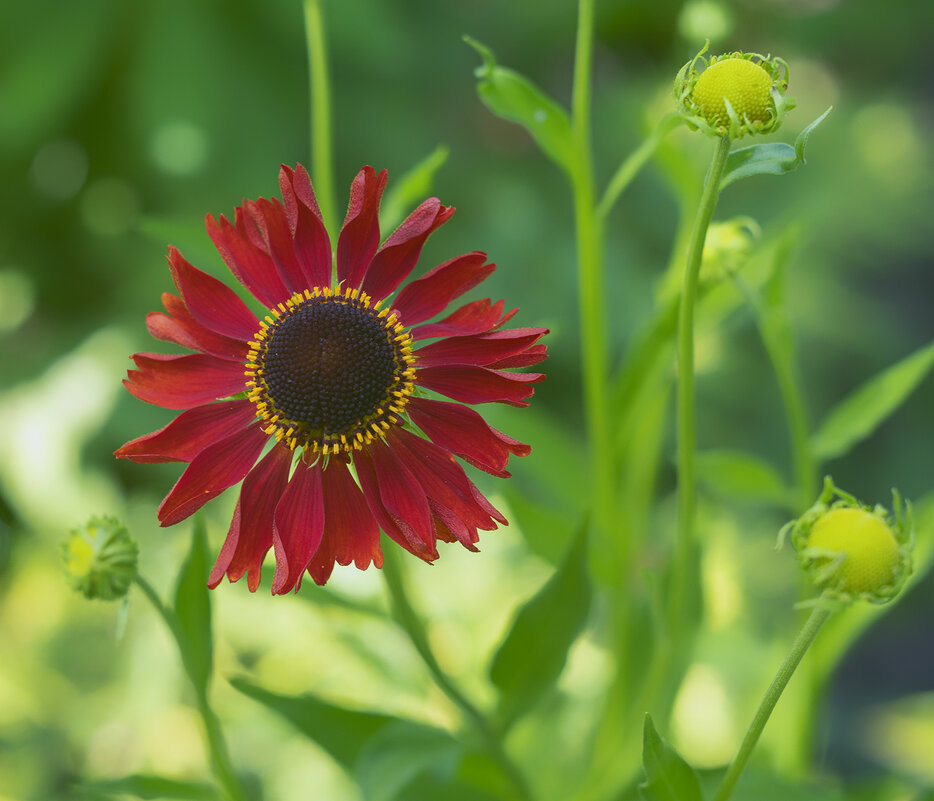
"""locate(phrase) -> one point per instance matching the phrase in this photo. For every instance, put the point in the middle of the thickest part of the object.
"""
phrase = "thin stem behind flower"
(410, 622)
(322, 157)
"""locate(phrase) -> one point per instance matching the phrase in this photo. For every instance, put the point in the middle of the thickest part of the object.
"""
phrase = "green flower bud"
(100, 559)
(734, 94)
(854, 551)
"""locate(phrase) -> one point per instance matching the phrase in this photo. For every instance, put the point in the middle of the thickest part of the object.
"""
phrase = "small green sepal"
(852, 551)
(733, 94)
(100, 559)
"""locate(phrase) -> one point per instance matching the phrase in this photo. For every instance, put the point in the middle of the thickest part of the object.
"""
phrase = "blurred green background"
(123, 123)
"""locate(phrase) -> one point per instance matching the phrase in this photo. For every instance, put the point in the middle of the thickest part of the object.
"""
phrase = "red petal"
(359, 237)
(481, 349)
(470, 384)
(250, 534)
(395, 259)
(212, 303)
(534, 355)
(429, 295)
(181, 328)
(273, 236)
(441, 477)
(252, 267)
(396, 500)
(297, 527)
(189, 433)
(179, 382)
(216, 468)
(310, 238)
(350, 532)
(471, 318)
(463, 431)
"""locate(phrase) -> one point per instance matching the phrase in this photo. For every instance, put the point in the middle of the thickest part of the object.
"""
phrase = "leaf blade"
(193, 610)
(859, 414)
(534, 652)
(513, 97)
(668, 776)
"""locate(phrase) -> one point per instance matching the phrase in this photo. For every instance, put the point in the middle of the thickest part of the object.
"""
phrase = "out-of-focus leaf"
(758, 784)
(398, 753)
(533, 654)
(774, 158)
(339, 731)
(667, 776)
(513, 97)
(412, 188)
(742, 476)
(858, 415)
(193, 609)
(154, 787)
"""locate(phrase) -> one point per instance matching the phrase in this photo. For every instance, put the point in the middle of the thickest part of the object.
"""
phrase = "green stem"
(410, 622)
(806, 636)
(687, 439)
(592, 309)
(322, 160)
(217, 748)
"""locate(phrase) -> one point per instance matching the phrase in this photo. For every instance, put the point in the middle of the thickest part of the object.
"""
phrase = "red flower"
(333, 380)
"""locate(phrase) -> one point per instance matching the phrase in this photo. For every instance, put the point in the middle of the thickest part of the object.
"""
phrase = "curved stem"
(221, 765)
(322, 160)
(410, 622)
(687, 440)
(801, 644)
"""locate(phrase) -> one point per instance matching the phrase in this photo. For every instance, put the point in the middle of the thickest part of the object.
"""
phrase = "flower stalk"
(687, 438)
(812, 626)
(218, 755)
(410, 622)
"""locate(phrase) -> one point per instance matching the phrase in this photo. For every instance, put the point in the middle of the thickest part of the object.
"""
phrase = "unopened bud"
(100, 559)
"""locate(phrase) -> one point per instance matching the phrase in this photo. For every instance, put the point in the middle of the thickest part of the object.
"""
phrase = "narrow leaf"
(535, 650)
(774, 158)
(193, 609)
(340, 731)
(667, 776)
(154, 787)
(858, 415)
(413, 187)
(513, 97)
(400, 752)
(742, 476)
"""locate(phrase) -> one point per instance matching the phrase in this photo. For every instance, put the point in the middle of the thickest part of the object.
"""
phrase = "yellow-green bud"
(854, 551)
(100, 559)
(734, 94)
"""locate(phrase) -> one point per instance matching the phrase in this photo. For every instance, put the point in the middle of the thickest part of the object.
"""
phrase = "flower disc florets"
(854, 551)
(100, 559)
(734, 94)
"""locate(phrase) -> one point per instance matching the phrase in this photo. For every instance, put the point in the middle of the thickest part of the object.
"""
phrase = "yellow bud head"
(851, 550)
(733, 94)
(743, 84)
(863, 546)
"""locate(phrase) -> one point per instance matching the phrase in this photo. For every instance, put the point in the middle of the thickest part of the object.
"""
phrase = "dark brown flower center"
(330, 372)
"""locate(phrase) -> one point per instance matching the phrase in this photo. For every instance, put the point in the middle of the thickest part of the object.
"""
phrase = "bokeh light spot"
(59, 169)
(109, 206)
(179, 147)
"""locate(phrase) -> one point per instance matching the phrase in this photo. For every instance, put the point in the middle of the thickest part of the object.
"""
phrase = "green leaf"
(774, 158)
(742, 476)
(858, 415)
(667, 776)
(412, 188)
(535, 650)
(147, 787)
(513, 97)
(340, 731)
(193, 610)
(401, 751)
